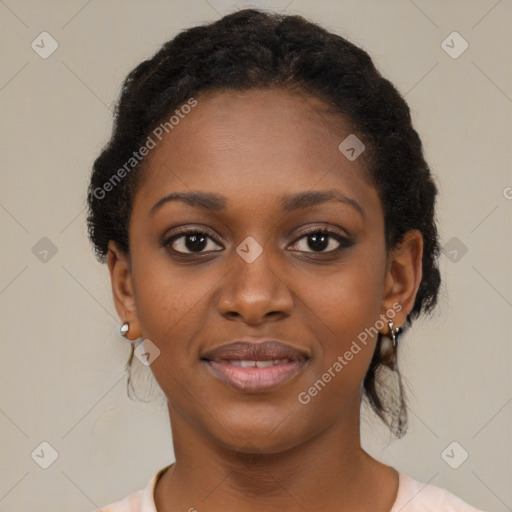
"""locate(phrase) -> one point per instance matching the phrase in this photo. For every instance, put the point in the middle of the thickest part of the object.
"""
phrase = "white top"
(412, 496)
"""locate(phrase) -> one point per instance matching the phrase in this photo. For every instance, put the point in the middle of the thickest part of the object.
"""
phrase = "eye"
(321, 239)
(192, 240)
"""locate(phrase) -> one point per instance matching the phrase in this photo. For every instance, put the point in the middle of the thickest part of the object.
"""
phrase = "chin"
(253, 433)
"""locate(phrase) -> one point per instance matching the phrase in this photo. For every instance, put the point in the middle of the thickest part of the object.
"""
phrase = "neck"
(331, 467)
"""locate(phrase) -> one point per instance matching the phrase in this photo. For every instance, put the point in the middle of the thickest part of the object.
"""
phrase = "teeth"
(264, 364)
(258, 364)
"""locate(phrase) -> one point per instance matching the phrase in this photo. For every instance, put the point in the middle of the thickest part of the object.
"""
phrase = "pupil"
(320, 241)
(198, 242)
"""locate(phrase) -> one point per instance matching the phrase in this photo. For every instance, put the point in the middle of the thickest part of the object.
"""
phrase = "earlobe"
(404, 273)
(122, 288)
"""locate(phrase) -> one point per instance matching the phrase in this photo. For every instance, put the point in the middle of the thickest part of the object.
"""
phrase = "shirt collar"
(148, 495)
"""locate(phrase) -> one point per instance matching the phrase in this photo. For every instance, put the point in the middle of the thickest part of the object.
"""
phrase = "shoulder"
(131, 503)
(414, 496)
(139, 501)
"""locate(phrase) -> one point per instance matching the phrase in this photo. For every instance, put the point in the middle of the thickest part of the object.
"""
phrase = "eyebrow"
(289, 203)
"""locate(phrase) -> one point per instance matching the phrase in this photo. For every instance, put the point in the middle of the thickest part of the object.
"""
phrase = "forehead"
(256, 143)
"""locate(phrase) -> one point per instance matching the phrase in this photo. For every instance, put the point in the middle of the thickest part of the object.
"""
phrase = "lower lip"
(255, 379)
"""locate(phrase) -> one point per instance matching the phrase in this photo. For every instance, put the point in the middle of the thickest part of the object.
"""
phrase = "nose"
(254, 292)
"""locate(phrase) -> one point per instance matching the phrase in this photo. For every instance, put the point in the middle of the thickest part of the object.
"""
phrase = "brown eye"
(190, 242)
(318, 240)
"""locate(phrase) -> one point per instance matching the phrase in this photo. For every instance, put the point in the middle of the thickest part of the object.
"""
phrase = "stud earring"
(123, 330)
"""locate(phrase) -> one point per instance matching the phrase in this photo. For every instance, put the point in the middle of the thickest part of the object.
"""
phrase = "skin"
(264, 451)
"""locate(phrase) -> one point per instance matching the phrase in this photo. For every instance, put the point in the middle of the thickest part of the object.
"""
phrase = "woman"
(268, 220)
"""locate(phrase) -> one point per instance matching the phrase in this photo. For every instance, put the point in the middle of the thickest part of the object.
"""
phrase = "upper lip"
(264, 350)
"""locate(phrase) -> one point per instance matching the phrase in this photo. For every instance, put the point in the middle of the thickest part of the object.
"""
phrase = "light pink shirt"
(413, 496)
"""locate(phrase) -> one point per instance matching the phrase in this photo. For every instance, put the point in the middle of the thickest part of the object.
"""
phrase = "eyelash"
(343, 241)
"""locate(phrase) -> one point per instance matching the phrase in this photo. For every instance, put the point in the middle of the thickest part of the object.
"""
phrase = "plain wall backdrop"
(61, 370)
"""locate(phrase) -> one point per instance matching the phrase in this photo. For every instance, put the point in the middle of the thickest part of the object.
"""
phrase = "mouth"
(255, 367)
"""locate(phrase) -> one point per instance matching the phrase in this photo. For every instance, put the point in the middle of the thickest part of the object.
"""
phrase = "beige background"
(61, 370)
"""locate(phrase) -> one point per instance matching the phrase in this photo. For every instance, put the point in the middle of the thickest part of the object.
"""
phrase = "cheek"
(166, 293)
(334, 381)
(164, 301)
(173, 305)
(348, 300)
(346, 308)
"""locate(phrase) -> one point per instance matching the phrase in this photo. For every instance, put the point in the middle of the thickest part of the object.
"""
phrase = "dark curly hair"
(251, 49)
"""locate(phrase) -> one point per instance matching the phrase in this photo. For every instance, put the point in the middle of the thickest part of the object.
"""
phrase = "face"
(285, 243)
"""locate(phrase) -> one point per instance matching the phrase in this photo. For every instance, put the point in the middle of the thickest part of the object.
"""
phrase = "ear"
(122, 289)
(403, 276)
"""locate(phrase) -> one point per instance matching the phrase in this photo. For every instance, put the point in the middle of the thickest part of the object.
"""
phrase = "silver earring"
(123, 330)
(393, 333)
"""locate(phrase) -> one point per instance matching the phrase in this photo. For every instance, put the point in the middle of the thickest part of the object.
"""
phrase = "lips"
(269, 350)
(253, 367)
